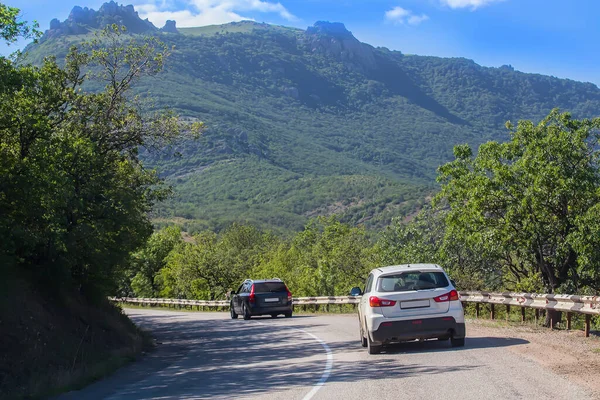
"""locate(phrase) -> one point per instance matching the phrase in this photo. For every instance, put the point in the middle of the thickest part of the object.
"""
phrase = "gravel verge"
(567, 353)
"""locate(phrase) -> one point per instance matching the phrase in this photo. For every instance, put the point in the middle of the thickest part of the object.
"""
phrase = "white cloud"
(401, 15)
(473, 4)
(417, 19)
(208, 12)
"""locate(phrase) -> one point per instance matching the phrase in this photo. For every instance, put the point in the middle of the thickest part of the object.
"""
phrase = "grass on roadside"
(66, 380)
(57, 341)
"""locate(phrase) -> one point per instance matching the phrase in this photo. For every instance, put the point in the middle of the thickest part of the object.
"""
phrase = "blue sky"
(553, 37)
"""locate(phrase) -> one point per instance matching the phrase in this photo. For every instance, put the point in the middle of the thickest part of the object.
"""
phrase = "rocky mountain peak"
(335, 29)
(333, 39)
(170, 26)
(82, 19)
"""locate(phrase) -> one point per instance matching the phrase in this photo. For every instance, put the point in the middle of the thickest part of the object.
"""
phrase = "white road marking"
(328, 364)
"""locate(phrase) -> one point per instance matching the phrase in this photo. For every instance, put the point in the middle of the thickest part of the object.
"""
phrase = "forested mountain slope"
(312, 122)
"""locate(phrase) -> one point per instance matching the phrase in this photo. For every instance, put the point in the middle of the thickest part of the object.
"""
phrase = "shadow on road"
(429, 346)
(214, 357)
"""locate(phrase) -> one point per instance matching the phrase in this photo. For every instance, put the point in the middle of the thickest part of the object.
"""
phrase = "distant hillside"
(305, 123)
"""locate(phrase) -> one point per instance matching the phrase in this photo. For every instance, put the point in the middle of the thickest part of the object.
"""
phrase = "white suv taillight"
(375, 301)
(450, 296)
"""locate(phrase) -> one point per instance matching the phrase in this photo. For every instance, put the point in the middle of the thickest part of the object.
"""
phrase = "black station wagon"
(261, 297)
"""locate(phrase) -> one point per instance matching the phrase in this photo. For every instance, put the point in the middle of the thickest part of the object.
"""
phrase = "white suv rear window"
(413, 280)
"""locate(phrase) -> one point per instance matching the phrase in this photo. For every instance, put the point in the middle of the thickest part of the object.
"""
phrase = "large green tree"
(327, 258)
(209, 264)
(145, 264)
(423, 240)
(531, 203)
(74, 196)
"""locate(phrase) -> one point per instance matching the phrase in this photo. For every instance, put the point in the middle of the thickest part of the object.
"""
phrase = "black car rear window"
(413, 280)
(269, 287)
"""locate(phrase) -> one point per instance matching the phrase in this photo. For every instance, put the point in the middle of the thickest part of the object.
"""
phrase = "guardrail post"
(522, 314)
(588, 319)
(568, 321)
(537, 315)
(476, 310)
(507, 312)
(492, 311)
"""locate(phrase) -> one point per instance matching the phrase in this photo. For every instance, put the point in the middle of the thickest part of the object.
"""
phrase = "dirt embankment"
(51, 343)
(567, 353)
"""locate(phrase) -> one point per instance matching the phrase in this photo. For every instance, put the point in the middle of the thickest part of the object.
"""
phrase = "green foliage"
(74, 195)
(210, 265)
(148, 261)
(301, 126)
(326, 258)
(520, 215)
(11, 28)
(531, 203)
(425, 239)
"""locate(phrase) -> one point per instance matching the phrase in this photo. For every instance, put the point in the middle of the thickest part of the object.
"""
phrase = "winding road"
(208, 355)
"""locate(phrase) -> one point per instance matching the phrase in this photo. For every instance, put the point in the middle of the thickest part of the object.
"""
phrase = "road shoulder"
(567, 353)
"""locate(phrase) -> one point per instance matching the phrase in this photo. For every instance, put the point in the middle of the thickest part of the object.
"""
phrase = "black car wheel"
(371, 348)
(232, 312)
(457, 342)
(245, 312)
(363, 339)
(288, 314)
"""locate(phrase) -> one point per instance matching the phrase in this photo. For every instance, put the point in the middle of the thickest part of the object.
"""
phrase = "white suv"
(409, 302)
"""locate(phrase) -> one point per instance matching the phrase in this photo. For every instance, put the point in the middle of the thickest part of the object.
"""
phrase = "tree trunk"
(552, 317)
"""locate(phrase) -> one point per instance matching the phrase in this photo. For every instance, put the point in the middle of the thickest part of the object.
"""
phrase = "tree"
(148, 261)
(424, 240)
(11, 28)
(532, 202)
(327, 258)
(209, 265)
(74, 196)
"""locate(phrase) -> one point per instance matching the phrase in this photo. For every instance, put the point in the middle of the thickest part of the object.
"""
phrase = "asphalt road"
(208, 355)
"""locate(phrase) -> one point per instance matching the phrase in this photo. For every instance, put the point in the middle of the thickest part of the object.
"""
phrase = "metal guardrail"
(177, 302)
(559, 302)
(322, 300)
(570, 304)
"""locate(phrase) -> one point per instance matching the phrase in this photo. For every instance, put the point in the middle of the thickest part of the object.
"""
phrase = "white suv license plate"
(271, 300)
(414, 304)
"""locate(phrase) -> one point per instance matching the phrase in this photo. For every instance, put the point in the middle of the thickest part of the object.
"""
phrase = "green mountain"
(313, 122)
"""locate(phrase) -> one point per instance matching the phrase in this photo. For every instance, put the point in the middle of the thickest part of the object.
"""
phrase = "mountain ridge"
(83, 19)
(314, 122)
